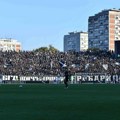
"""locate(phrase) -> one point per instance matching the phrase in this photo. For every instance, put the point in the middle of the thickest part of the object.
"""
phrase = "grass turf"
(53, 102)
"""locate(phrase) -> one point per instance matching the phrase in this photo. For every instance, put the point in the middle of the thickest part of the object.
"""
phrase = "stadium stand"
(47, 63)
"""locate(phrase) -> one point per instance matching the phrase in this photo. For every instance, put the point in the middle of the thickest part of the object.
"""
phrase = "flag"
(117, 63)
(62, 64)
(73, 65)
(105, 66)
(51, 64)
(86, 66)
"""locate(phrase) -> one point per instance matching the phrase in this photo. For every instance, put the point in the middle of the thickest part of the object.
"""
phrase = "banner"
(75, 79)
(97, 78)
(29, 78)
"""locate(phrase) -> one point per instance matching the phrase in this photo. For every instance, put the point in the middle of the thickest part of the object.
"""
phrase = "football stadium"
(32, 85)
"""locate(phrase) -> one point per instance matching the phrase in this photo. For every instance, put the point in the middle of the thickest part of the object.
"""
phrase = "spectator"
(47, 63)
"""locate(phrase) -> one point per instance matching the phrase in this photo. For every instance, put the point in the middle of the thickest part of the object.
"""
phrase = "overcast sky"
(40, 23)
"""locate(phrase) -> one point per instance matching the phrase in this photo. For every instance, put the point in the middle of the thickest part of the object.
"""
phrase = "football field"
(53, 102)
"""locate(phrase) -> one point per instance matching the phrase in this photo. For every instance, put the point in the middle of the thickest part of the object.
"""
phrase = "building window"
(116, 17)
(116, 38)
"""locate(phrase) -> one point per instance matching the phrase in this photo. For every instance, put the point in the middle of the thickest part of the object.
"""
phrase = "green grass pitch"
(53, 102)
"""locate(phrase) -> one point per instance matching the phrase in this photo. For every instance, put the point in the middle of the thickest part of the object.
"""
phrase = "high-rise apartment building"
(10, 45)
(76, 41)
(104, 29)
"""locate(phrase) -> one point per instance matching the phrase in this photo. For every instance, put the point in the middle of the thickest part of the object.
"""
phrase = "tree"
(46, 49)
(41, 49)
(52, 49)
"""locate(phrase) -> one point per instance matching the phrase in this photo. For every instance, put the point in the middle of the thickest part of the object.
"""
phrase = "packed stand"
(37, 63)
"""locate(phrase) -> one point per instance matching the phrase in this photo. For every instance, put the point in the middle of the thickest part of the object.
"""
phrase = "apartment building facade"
(10, 45)
(76, 41)
(104, 29)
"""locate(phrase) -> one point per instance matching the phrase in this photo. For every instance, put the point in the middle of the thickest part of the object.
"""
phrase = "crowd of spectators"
(48, 62)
